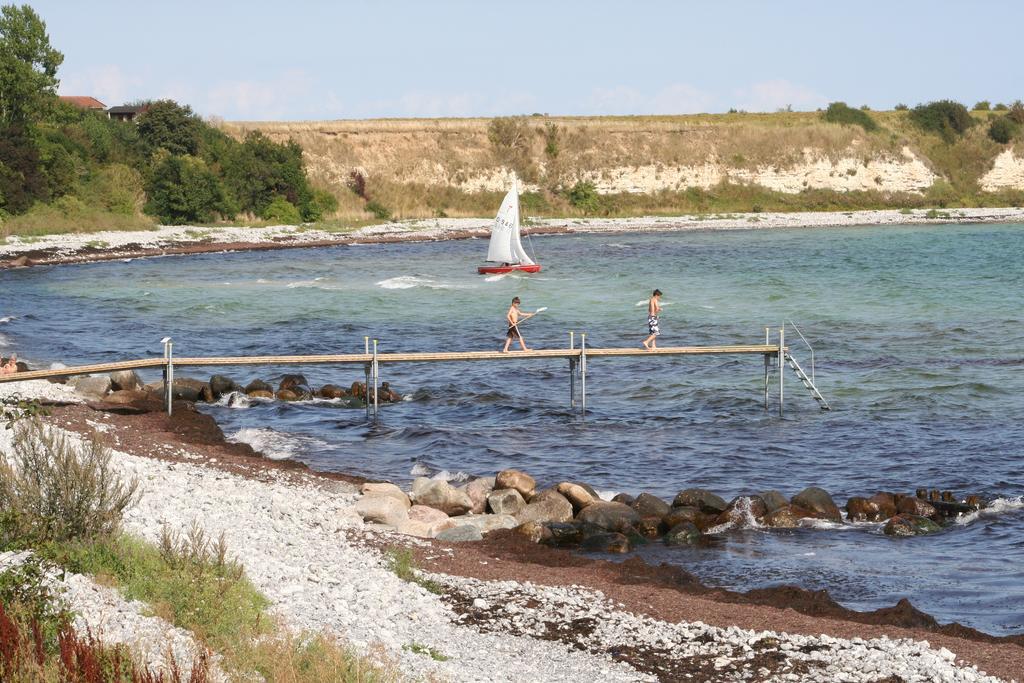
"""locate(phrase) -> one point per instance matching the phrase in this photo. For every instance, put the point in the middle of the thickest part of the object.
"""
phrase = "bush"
(1000, 107)
(583, 196)
(984, 105)
(838, 112)
(901, 107)
(357, 183)
(282, 211)
(1002, 130)
(184, 190)
(171, 126)
(379, 211)
(1015, 112)
(325, 202)
(55, 490)
(945, 117)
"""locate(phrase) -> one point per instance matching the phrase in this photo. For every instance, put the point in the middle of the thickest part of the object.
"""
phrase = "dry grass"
(51, 219)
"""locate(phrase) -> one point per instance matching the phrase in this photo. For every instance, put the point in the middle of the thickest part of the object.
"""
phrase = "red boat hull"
(499, 270)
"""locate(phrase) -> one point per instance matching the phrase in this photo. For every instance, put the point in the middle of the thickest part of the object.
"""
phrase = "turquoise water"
(920, 349)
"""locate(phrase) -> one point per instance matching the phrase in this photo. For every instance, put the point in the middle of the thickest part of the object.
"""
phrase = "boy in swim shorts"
(653, 322)
(513, 319)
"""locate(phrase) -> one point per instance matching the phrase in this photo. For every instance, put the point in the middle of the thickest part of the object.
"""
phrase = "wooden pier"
(371, 360)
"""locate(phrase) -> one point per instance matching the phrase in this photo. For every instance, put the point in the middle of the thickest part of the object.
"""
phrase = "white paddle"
(539, 310)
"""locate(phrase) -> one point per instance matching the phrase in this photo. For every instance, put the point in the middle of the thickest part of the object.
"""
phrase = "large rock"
(427, 515)
(331, 391)
(385, 489)
(702, 499)
(505, 502)
(259, 393)
(773, 500)
(650, 527)
(565, 534)
(610, 516)
(744, 511)
(685, 533)
(819, 502)
(183, 389)
(288, 395)
(125, 380)
(786, 517)
(460, 534)
(547, 506)
(478, 490)
(126, 397)
(91, 387)
(647, 505)
(258, 385)
(576, 494)
(682, 514)
(520, 481)
(623, 498)
(910, 525)
(440, 495)
(415, 527)
(293, 382)
(915, 506)
(382, 509)
(221, 385)
(486, 523)
(607, 542)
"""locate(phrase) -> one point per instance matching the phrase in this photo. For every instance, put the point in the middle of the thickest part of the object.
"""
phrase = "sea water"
(919, 346)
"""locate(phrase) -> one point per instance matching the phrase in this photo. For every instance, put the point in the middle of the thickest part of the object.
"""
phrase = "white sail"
(505, 246)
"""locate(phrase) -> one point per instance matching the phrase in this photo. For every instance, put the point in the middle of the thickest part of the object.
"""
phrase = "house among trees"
(127, 112)
(84, 102)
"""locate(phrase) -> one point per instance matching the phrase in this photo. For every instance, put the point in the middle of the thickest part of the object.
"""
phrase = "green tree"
(261, 170)
(28, 65)
(22, 180)
(182, 189)
(945, 117)
(171, 126)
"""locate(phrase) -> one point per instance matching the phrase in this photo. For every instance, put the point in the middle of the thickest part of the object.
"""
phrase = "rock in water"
(819, 502)
(647, 505)
(685, 533)
(773, 500)
(917, 506)
(744, 511)
(611, 516)
(505, 501)
(258, 385)
(293, 382)
(623, 498)
(221, 385)
(520, 481)
(547, 506)
(606, 543)
(287, 395)
(701, 499)
(331, 391)
(256, 393)
(862, 510)
(910, 525)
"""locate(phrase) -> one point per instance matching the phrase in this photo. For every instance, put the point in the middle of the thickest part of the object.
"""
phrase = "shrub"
(1000, 107)
(983, 105)
(184, 190)
(379, 211)
(171, 126)
(1015, 112)
(282, 211)
(550, 133)
(583, 196)
(901, 107)
(838, 112)
(1002, 129)
(325, 203)
(56, 490)
(945, 117)
(357, 183)
(510, 141)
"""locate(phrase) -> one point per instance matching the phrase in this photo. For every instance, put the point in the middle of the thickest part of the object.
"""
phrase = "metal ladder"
(807, 381)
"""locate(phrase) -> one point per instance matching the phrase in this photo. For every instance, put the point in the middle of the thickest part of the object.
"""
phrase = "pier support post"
(366, 371)
(583, 375)
(376, 378)
(767, 364)
(572, 372)
(782, 362)
(169, 374)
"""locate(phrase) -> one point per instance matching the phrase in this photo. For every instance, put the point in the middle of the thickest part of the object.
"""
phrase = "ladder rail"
(806, 343)
(807, 382)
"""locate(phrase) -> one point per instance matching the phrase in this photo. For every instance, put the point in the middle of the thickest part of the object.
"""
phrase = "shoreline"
(507, 566)
(72, 248)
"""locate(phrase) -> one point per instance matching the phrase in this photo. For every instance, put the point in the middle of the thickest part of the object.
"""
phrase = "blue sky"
(304, 59)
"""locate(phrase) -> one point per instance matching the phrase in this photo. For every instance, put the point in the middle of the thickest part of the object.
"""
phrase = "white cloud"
(263, 99)
(677, 98)
(777, 94)
(108, 83)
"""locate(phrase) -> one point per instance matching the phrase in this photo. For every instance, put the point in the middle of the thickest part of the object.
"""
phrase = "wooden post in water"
(767, 363)
(782, 360)
(366, 371)
(583, 374)
(572, 373)
(169, 374)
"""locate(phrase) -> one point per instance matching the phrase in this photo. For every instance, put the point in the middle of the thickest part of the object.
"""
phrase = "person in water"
(653, 322)
(513, 318)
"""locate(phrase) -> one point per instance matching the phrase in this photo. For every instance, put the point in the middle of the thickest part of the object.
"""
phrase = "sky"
(318, 60)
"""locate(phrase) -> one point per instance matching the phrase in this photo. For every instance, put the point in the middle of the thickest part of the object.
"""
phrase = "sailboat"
(506, 249)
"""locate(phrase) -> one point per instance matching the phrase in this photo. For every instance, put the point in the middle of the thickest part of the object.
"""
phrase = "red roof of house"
(83, 101)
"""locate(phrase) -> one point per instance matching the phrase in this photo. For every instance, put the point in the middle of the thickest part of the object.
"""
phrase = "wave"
(421, 470)
(996, 507)
(7, 318)
(275, 445)
(412, 281)
(314, 283)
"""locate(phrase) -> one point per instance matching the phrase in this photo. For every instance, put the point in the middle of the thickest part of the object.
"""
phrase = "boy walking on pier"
(513, 318)
(653, 323)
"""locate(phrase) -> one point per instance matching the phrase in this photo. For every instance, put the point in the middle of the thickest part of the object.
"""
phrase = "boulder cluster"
(574, 515)
(125, 387)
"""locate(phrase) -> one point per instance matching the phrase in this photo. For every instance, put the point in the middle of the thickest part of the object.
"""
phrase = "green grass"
(428, 651)
(51, 219)
(401, 562)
